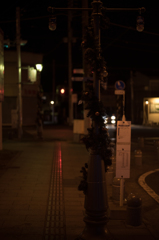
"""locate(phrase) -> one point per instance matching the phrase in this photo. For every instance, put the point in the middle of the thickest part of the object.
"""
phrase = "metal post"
(70, 65)
(121, 191)
(53, 91)
(132, 96)
(19, 72)
(1, 145)
(123, 118)
(85, 68)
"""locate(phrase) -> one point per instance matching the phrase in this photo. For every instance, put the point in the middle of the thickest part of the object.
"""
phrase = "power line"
(113, 24)
(133, 29)
(136, 49)
(131, 42)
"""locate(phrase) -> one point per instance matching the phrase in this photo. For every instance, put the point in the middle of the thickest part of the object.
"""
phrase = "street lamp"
(52, 108)
(52, 23)
(39, 67)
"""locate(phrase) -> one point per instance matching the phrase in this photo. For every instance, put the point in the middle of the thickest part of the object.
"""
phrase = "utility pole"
(96, 203)
(19, 100)
(85, 68)
(70, 4)
(132, 96)
(84, 25)
(2, 83)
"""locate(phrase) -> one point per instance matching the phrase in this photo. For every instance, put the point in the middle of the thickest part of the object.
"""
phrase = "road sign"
(119, 85)
(119, 92)
(78, 71)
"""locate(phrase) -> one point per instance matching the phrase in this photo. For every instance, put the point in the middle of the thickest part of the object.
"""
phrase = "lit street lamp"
(39, 67)
(52, 108)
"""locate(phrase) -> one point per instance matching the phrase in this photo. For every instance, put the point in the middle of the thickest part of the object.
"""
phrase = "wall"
(151, 111)
(29, 90)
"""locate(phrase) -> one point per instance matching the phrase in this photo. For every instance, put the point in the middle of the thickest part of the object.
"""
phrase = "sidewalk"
(39, 197)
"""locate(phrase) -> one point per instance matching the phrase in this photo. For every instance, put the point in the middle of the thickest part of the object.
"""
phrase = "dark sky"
(123, 48)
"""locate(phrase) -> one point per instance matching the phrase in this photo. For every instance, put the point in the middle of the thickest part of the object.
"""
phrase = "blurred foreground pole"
(132, 96)
(19, 102)
(70, 3)
(85, 67)
(1, 144)
(96, 204)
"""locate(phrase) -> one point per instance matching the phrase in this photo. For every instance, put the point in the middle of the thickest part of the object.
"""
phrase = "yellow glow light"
(39, 67)
(62, 90)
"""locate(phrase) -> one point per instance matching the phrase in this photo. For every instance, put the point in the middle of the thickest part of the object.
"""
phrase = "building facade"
(29, 87)
(142, 97)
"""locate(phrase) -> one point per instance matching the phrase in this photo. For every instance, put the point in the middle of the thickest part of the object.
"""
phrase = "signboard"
(1, 67)
(119, 92)
(74, 98)
(119, 85)
(29, 90)
(78, 71)
(154, 107)
(32, 74)
(123, 145)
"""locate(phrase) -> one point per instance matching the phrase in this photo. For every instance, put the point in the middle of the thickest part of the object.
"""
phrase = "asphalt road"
(138, 131)
(152, 181)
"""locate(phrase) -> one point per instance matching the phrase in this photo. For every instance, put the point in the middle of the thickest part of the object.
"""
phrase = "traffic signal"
(140, 24)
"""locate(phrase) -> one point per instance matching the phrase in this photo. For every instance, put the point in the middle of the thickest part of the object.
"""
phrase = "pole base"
(95, 231)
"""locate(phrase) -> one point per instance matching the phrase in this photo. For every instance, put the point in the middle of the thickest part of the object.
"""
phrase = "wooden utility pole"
(19, 73)
(132, 96)
(70, 4)
(85, 68)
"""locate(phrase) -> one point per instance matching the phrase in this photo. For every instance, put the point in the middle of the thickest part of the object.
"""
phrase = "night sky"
(123, 48)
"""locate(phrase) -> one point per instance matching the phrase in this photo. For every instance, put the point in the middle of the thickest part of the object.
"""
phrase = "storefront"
(151, 111)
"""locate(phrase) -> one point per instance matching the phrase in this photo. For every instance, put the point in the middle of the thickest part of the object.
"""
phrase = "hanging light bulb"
(52, 23)
(105, 73)
(140, 24)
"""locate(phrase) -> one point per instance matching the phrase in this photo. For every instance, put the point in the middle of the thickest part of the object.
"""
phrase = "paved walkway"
(39, 197)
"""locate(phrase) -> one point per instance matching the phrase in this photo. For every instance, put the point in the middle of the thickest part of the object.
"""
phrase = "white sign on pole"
(119, 92)
(123, 145)
(32, 74)
(78, 70)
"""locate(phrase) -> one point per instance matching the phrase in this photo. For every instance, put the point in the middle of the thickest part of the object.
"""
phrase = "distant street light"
(39, 67)
(52, 108)
(62, 90)
(52, 102)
